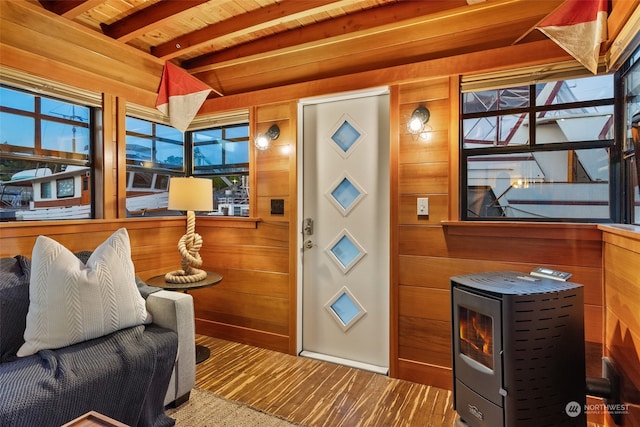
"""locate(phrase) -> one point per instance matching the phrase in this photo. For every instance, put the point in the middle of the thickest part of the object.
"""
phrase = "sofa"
(129, 374)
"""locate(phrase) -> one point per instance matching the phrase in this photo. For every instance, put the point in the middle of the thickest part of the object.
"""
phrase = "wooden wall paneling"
(91, 61)
(425, 341)
(394, 214)
(424, 178)
(254, 283)
(291, 212)
(150, 239)
(423, 314)
(527, 54)
(221, 304)
(273, 183)
(270, 234)
(423, 91)
(622, 317)
(425, 373)
(430, 254)
(230, 332)
(454, 147)
(246, 257)
(256, 298)
(417, 150)
(438, 209)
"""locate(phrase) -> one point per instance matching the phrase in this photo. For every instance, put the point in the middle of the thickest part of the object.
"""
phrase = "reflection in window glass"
(17, 100)
(155, 152)
(575, 90)
(65, 137)
(495, 131)
(222, 153)
(138, 126)
(495, 100)
(45, 172)
(167, 132)
(18, 131)
(512, 171)
(65, 110)
(545, 185)
(153, 145)
(207, 154)
(237, 152)
(138, 149)
(572, 125)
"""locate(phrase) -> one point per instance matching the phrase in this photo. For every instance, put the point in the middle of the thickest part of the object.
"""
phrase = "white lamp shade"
(191, 194)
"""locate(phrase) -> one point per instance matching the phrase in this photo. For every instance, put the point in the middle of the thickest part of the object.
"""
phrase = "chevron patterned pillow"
(71, 302)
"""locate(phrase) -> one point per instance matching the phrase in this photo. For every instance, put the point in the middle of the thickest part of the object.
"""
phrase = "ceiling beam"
(321, 31)
(147, 19)
(70, 8)
(250, 21)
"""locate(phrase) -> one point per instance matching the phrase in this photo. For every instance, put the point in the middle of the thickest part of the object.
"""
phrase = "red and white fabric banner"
(579, 27)
(180, 96)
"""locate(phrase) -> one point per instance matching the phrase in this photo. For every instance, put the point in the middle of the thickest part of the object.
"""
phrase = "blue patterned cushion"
(14, 304)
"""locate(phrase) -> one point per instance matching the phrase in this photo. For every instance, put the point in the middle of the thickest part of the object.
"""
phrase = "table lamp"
(190, 194)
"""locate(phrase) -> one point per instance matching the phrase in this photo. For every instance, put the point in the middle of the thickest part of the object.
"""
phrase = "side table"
(202, 352)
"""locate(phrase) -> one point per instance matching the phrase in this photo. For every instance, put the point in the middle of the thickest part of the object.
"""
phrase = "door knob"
(308, 244)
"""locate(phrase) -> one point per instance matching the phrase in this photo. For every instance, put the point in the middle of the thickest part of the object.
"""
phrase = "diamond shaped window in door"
(345, 309)
(345, 194)
(345, 135)
(345, 251)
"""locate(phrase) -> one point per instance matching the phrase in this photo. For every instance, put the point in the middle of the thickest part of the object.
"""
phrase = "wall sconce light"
(418, 120)
(263, 140)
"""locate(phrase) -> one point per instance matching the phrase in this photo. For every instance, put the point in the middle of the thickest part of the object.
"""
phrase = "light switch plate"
(423, 206)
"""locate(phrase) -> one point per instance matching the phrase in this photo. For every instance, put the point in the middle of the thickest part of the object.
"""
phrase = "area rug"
(206, 409)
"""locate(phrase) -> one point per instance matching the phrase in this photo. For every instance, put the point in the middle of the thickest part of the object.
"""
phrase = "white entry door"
(345, 229)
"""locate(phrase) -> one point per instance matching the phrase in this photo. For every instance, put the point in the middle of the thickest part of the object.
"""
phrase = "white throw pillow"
(71, 302)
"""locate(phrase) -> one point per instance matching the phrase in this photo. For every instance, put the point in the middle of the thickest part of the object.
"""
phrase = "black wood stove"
(518, 351)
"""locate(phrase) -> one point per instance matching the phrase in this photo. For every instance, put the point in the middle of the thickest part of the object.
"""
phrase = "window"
(630, 77)
(155, 152)
(222, 153)
(538, 152)
(45, 145)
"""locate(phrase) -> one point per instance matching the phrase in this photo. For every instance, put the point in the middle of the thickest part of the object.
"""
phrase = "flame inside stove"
(476, 336)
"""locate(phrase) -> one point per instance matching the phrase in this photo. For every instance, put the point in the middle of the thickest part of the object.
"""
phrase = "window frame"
(56, 160)
(234, 119)
(629, 170)
(533, 146)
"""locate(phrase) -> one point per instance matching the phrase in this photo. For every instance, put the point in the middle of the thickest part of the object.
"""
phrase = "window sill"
(539, 230)
(624, 230)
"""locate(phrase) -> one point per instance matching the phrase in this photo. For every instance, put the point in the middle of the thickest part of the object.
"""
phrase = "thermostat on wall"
(549, 273)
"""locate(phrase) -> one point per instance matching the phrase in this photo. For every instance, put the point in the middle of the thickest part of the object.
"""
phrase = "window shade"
(42, 86)
(526, 76)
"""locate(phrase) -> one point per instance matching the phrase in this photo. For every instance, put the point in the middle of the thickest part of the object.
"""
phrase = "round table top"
(160, 282)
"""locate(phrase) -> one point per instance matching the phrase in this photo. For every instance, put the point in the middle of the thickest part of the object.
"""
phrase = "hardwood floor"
(316, 393)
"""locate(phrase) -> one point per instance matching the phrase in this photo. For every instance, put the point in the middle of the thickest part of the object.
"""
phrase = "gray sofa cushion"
(14, 304)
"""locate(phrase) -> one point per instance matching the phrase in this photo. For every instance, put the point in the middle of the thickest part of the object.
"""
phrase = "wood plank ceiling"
(237, 46)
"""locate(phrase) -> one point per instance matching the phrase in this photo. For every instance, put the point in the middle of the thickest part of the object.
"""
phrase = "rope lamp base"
(188, 246)
(181, 276)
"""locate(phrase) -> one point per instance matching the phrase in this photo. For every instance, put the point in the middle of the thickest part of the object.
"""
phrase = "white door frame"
(382, 90)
